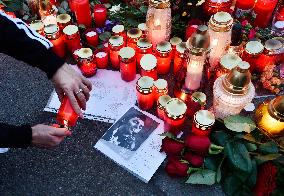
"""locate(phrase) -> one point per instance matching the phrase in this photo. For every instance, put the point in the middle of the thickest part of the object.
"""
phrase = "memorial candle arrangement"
(144, 91)
(263, 10)
(127, 63)
(38, 26)
(66, 115)
(227, 63)
(115, 44)
(252, 54)
(161, 106)
(133, 35)
(63, 20)
(149, 66)
(159, 21)
(100, 15)
(220, 31)
(143, 47)
(47, 13)
(143, 28)
(86, 62)
(197, 101)
(174, 42)
(119, 30)
(203, 122)
(72, 38)
(179, 57)
(160, 88)
(243, 7)
(82, 11)
(270, 117)
(163, 54)
(232, 92)
(92, 37)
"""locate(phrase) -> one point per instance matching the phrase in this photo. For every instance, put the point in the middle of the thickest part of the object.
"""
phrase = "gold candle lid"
(63, 18)
(160, 4)
(161, 84)
(273, 45)
(204, 119)
(198, 97)
(50, 30)
(70, 30)
(164, 47)
(175, 41)
(276, 108)
(37, 25)
(118, 29)
(148, 62)
(142, 27)
(181, 47)
(145, 85)
(134, 33)
(115, 40)
(254, 47)
(176, 108)
(230, 61)
(126, 53)
(221, 22)
(199, 42)
(85, 53)
(144, 43)
(238, 80)
(162, 101)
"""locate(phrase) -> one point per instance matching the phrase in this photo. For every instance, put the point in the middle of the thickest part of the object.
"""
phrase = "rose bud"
(194, 159)
(176, 168)
(171, 146)
(198, 144)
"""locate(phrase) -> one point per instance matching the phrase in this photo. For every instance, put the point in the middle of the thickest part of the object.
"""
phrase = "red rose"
(172, 147)
(175, 168)
(198, 144)
(194, 159)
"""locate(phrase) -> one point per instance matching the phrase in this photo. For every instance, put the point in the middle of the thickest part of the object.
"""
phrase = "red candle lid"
(116, 40)
(164, 47)
(161, 84)
(204, 119)
(148, 62)
(144, 43)
(162, 101)
(254, 47)
(37, 25)
(126, 53)
(175, 41)
(176, 108)
(85, 53)
(63, 18)
(199, 97)
(118, 29)
(229, 61)
(70, 30)
(221, 21)
(145, 84)
(142, 27)
(134, 33)
(51, 31)
(181, 47)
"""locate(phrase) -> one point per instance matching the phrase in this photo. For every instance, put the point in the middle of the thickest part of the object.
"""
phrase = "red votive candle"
(252, 53)
(127, 64)
(163, 54)
(227, 63)
(92, 37)
(63, 20)
(86, 62)
(100, 15)
(211, 7)
(71, 5)
(243, 7)
(179, 57)
(119, 30)
(133, 35)
(66, 115)
(53, 34)
(144, 90)
(82, 12)
(143, 47)
(161, 106)
(102, 59)
(197, 101)
(149, 66)
(115, 44)
(175, 115)
(174, 42)
(203, 121)
(38, 26)
(72, 38)
(263, 10)
(144, 29)
(160, 88)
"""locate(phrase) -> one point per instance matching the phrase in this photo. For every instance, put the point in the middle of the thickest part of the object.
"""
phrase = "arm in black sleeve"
(21, 42)
(15, 136)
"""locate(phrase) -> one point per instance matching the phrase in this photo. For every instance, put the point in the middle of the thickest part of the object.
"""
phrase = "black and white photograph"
(129, 132)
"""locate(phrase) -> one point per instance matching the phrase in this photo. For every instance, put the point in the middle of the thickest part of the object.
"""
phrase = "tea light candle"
(82, 11)
(102, 59)
(63, 20)
(86, 62)
(243, 7)
(100, 15)
(115, 44)
(175, 115)
(53, 34)
(163, 54)
(92, 37)
(263, 10)
(174, 42)
(196, 102)
(227, 63)
(160, 88)
(179, 57)
(143, 47)
(133, 35)
(73, 41)
(211, 7)
(203, 121)
(143, 28)
(38, 26)
(119, 30)
(252, 53)
(149, 66)
(66, 115)
(161, 106)
(127, 64)
(145, 97)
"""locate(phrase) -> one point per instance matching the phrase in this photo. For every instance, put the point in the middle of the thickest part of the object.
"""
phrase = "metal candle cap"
(116, 40)
(145, 84)
(70, 30)
(142, 26)
(63, 18)
(126, 53)
(144, 43)
(161, 84)
(164, 47)
(199, 42)
(160, 4)
(175, 41)
(51, 30)
(254, 47)
(230, 61)
(85, 53)
(148, 62)
(198, 97)
(221, 22)
(37, 25)
(273, 45)
(276, 108)
(204, 119)
(181, 47)
(162, 101)
(176, 108)
(118, 29)
(134, 33)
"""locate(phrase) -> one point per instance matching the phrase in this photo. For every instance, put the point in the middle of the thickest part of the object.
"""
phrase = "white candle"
(194, 72)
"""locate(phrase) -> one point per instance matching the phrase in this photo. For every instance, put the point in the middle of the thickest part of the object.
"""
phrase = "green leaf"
(251, 147)
(263, 158)
(171, 136)
(239, 123)
(251, 181)
(105, 36)
(238, 156)
(211, 163)
(219, 173)
(220, 137)
(269, 148)
(143, 9)
(231, 185)
(206, 177)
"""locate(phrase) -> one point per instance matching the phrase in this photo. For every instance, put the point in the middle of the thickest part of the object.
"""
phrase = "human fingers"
(86, 92)
(87, 83)
(74, 103)
(60, 132)
(59, 93)
(80, 97)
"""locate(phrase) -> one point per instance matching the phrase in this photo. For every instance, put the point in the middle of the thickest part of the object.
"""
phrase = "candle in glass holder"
(100, 15)
(82, 11)
(252, 53)
(179, 57)
(277, 28)
(63, 20)
(227, 63)
(270, 117)
(175, 115)
(119, 30)
(160, 88)
(174, 42)
(163, 54)
(161, 106)
(102, 59)
(232, 92)
(243, 7)
(72, 38)
(66, 115)
(133, 35)
(86, 62)
(115, 44)
(38, 26)
(53, 34)
(92, 37)
(203, 121)
(144, 90)
(197, 101)
(143, 47)
(149, 66)
(47, 13)
(127, 63)
(263, 10)
(211, 7)
(143, 28)
(220, 31)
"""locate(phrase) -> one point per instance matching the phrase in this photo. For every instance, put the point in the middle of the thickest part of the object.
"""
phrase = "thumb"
(60, 132)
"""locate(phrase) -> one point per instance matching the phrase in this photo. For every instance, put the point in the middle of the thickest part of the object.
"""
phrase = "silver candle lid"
(164, 47)
(37, 25)
(148, 62)
(145, 85)
(126, 53)
(142, 26)
(118, 29)
(85, 53)
(176, 108)
(63, 18)
(161, 84)
(230, 61)
(144, 43)
(70, 30)
(162, 101)
(175, 41)
(181, 47)
(221, 22)
(134, 33)
(254, 47)
(204, 119)
(115, 41)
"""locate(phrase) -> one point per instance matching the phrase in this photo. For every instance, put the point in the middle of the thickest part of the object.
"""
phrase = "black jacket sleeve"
(21, 42)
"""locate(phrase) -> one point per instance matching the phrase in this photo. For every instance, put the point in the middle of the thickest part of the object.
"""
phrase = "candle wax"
(66, 114)
(128, 71)
(194, 73)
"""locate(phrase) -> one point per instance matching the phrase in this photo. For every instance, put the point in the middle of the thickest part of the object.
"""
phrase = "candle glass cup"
(133, 35)
(144, 91)
(72, 38)
(179, 57)
(92, 37)
(127, 64)
(143, 47)
(203, 121)
(161, 106)
(86, 62)
(149, 66)
(115, 44)
(66, 115)
(100, 15)
(163, 55)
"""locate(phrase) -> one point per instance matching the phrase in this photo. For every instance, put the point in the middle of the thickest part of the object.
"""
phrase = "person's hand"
(75, 86)
(44, 136)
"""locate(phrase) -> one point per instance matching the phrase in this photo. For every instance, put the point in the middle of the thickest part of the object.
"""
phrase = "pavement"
(75, 167)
